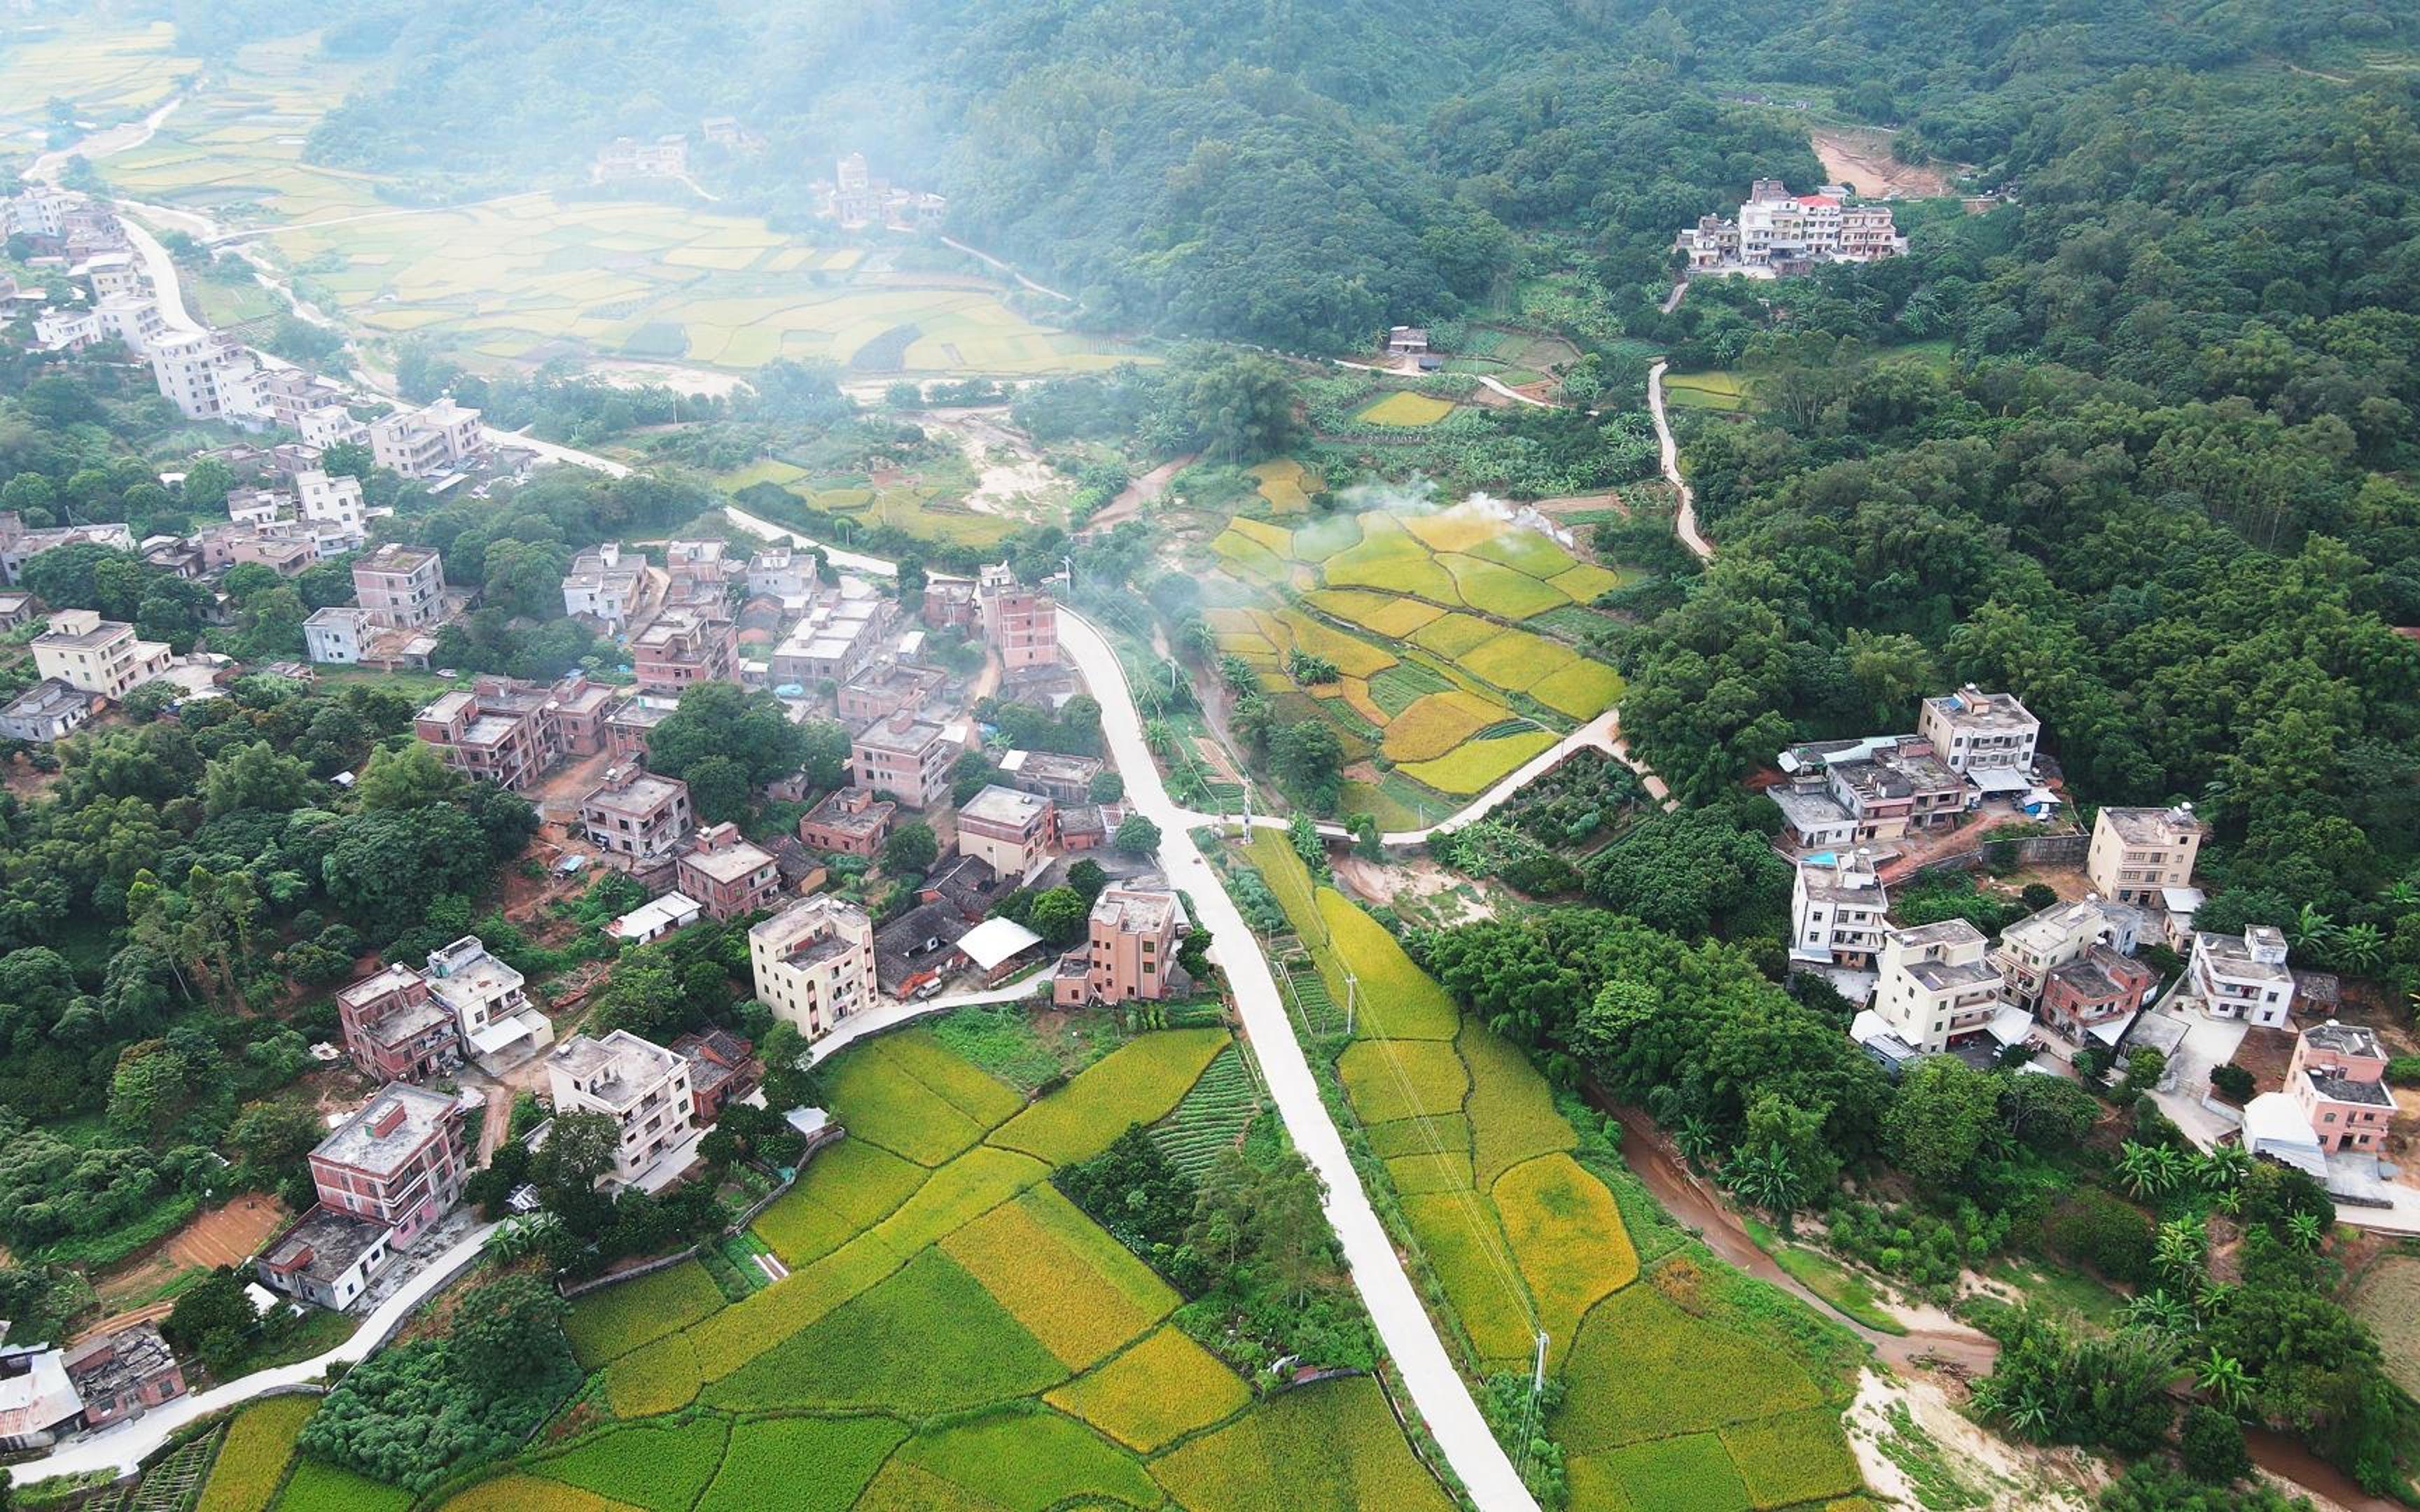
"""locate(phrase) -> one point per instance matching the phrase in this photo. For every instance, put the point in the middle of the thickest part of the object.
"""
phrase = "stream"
(1696, 1205)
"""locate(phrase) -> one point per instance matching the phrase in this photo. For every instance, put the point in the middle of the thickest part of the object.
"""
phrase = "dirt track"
(1861, 158)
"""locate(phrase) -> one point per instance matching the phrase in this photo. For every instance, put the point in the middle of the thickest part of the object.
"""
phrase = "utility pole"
(1351, 1001)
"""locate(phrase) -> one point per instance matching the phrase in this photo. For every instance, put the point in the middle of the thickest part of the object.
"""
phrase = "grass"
(1405, 408)
(1083, 1306)
(315, 1487)
(1137, 1083)
(1333, 1445)
(1844, 1290)
(605, 1325)
(1390, 1079)
(660, 1468)
(1643, 1368)
(1568, 1240)
(1688, 1474)
(2388, 1300)
(1799, 1456)
(803, 1464)
(1480, 765)
(1028, 1460)
(1163, 1388)
(253, 1460)
(928, 1339)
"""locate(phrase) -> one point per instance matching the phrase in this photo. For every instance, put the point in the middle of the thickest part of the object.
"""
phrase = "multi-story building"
(1009, 828)
(335, 635)
(104, 656)
(1936, 986)
(605, 586)
(18, 544)
(420, 443)
(1849, 792)
(398, 1162)
(1778, 232)
(839, 637)
(1836, 912)
(323, 425)
(627, 157)
(395, 1031)
(850, 820)
(907, 757)
(643, 1086)
(2336, 1078)
(48, 711)
(1021, 624)
(333, 500)
(1978, 734)
(2099, 986)
(16, 610)
(134, 319)
(698, 573)
(814, 964)
(777, 572)
(1063, 780)
(500, 1025)
(327, 1259)
(2033, 947)
(728, 873)
(1130, 949)
(123, 1374)
(887, 688)
(721, 1072)
(682, 648)
(582, 712)
(2138, 855)
(2243, 976)
(402, 587)
(498, 730)
(630, 722)
(635, 815)
(193, 370)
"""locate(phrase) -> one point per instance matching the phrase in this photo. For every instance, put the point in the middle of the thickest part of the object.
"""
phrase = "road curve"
(1684, 521)
(1444, 1400)
(120, 1449)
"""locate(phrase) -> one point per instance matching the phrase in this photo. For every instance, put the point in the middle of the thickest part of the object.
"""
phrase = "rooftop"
(332, 1240)
(636, 794)
(997, 940)
(1009, 808)
(1138, 910)
(848, 811)
(75, 630)
(2101, 973)
(395, 557)
(2155, 826)
(731, 862)
(1049, 765)
(886, 735)
(465, 969)
(108, 1364)
(1977, 710)
(2345, 1089)
(47, 698)
(618, 1070)
(796, 932)
(2345, 1040)
(1949, 932)
(388, 1130)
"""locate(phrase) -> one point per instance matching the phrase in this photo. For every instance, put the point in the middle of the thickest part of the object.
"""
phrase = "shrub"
(2103, 1232)
(2212, 1446)
(2234, 1083)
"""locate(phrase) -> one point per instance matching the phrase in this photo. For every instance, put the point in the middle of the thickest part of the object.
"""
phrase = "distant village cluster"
(1777, 234)
(1859, 816)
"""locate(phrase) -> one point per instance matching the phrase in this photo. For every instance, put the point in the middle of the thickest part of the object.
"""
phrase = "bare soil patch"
(1860, 157)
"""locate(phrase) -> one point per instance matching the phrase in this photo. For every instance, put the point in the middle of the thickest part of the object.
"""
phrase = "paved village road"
(1684, 522)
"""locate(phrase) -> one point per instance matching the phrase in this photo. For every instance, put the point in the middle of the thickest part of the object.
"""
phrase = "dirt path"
(499, 1119)
(1685, 520)
(1860, 157)
(1143, 490)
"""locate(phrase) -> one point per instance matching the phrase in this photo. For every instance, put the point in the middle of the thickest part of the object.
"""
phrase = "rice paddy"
(1406, 408)
(525, 277)
(108, 74)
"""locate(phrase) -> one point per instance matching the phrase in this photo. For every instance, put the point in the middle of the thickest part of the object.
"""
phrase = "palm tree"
(2161, 1312)
(2312, 928)
(2177, 1253)
(2303, 1229)
(2222, 1376)
(2359, 947)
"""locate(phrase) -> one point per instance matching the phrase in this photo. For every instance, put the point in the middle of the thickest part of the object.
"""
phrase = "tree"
(1087, 878)
(2210, 1444)
(1944, 1122)
(911, 847)
(1781, 1161)
(212, 1319)
(1136, 836)
(717, 790)
(1309, 761)
(255, 778)
(410, 776)
(507, 1331)
(1107, 787)
(1059, 915)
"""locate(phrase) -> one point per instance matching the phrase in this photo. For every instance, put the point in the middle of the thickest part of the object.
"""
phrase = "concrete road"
(1685, 523)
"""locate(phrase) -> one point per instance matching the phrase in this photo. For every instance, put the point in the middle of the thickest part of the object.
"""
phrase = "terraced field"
(956, 1336)
(108, 73)
(525, 278)
(1685, 1384)
(1449, 632)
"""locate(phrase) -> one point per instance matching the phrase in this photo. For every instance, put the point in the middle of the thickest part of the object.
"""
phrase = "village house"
(727, 873)
(641, 1087)
(627, 157)
(498, 730)
(395, 1031)
(605, 587)
(1021, 625)
(885, 689)
(38, 1404)
(967, 884)
(2139, 855)
(52, 709)
(335, 635)
(335, 501)
(1977, 735)
(848, 822)
(635, 815)
(123, 1374)
(196, 370)
(1063, 780)
(400, 587)
(327, 1259)
(1776, 232)
(629, 722)
(422, 443)
(97, 656)
(581, 708)
(500, 1025)
(1088, 827)
(776, 572)
(1936, 987)
(813, 963)
(913, 949)
(2096, 994)
(839, 637)
(909, 757)
(654, 919)
(2033, 947)
(699, 574)
(383, 1177)
(1008, 829)
(20, 544)
(1844, 794)
(1836, 912)
(1130, 949)
(17, 609)
(2242, 976)
(721, 1072)
(2336, 1078)
(682, 648)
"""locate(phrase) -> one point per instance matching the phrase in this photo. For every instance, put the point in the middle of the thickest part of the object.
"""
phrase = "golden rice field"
(531, 276)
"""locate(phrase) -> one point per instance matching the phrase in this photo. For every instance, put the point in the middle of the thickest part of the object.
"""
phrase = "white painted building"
(335, 636)
(814, 964)
(643, 1086)
(2243, 976)
(104, 656)
(1836, 912)
(1936, 986)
